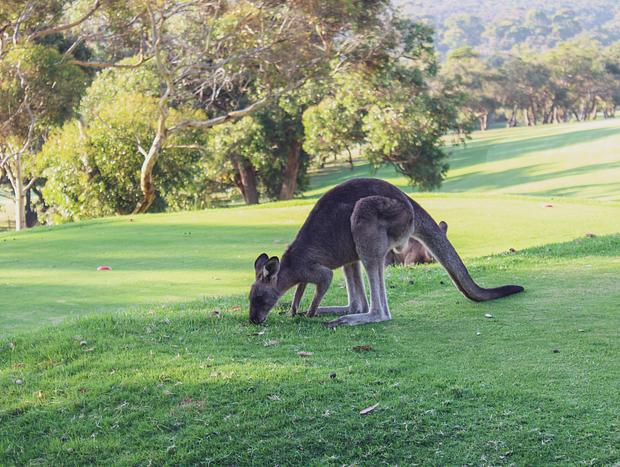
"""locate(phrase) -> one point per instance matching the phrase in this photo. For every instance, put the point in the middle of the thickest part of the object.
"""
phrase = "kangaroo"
(356, 223)
(413, 252)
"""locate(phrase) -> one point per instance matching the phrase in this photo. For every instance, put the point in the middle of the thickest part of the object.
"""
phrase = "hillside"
(535, 384)
(569, 160)
(155, 362)
(48, 274)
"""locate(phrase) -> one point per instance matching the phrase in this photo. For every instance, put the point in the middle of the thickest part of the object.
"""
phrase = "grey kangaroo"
(413, 252)
(358, 221)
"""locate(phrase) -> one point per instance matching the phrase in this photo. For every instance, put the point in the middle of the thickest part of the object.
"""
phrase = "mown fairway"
(580, 161)
(536, 384)
(176, 375)
(48, 275)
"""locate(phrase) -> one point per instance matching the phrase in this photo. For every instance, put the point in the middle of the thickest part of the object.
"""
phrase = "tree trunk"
(484, 121)
(248, 182)
(594, 111)
(350, 158)
(150, 158)
(512, 122)
(534, 118)
(526, 117)
(20, 205)
(289, 182)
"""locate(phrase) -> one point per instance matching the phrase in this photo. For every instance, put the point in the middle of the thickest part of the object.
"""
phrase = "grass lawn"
(536, 384)
(576, 160)
(48, 275)
(178, 376)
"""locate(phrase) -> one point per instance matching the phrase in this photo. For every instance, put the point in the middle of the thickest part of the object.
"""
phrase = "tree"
(470, 74)
(37, 91)
(205, 48)
(92, 168)
(463, 30)
(40, 81)
(396, 110)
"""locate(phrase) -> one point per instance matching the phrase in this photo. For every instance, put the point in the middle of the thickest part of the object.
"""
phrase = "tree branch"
(236, 114)
(109, 64)
(29, 185)
(64, 27)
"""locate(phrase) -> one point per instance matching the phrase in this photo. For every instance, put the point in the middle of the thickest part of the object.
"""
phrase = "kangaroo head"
(264, 294)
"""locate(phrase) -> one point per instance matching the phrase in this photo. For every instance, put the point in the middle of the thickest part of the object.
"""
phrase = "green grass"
(176, 375)
(537, 384)
(574, 160)
(48, 275)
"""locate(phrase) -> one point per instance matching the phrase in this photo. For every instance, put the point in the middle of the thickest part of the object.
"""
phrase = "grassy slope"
(49, 275)
(576, 160)
(181, 385)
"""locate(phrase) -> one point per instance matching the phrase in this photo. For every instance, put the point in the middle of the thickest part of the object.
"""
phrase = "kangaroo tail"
(434, 239)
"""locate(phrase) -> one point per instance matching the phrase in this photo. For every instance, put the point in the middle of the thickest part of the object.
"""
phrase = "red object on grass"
(104, 268)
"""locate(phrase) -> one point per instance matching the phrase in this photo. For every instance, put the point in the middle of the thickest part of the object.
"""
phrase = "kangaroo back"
(428, 233)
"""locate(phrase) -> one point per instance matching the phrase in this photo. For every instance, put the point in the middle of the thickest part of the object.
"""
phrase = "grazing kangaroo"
(413, 252)
(358, 221)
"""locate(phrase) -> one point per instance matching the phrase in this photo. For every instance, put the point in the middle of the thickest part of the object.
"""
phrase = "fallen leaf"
(217, 313)
(273, 397)
(236, 308)
(547, 205)
(368, 409)
(89, 350)
(362, 348)
(83, 343)
(488, 315)
(271, 343)
(305, 354)
(19, 382)
(259, 333)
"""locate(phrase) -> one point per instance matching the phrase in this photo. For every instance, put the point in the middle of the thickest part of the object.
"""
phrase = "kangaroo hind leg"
(377, 225)
(355, 291)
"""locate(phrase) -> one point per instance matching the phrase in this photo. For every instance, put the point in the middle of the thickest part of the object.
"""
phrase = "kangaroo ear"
(443, 226)
(260, 262)
(270, 269)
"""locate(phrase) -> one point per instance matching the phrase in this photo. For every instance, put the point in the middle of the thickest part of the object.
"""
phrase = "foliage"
(388, 110)
(54, 88)
(95, 171)
(494, 26)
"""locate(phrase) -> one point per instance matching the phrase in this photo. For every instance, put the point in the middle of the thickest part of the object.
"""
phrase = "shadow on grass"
(484, 181)
(475, 153)
(182, 386)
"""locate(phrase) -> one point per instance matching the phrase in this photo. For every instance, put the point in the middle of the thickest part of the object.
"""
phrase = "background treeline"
(111, 107)
(576, 80)
(493, 26)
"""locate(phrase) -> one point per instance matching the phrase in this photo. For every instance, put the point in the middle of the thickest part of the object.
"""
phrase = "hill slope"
(569, 160)
(536, 384)
(48, 274)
